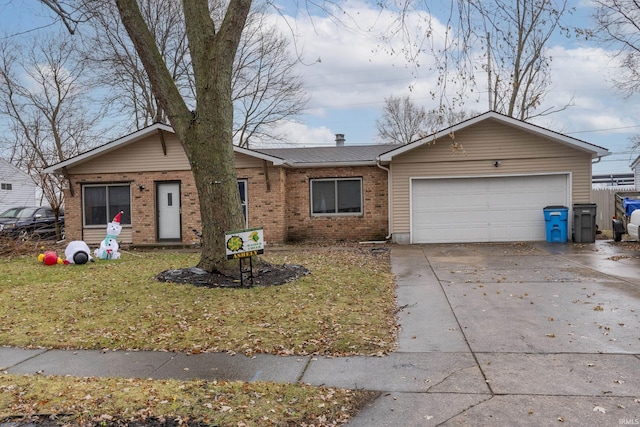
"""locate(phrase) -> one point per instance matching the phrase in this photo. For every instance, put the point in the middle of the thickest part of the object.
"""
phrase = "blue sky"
(18, 18)
(348, 75)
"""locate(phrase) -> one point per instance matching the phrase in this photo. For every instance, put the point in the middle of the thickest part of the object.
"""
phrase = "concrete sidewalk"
(491, 335)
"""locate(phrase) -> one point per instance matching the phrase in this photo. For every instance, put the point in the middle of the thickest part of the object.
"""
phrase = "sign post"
(243, 244)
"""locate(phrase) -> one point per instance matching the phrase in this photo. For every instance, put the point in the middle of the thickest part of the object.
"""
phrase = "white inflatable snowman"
(109, 246)
(77, 252)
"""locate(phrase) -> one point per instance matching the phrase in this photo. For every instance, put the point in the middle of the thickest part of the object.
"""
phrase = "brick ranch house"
(486, 179)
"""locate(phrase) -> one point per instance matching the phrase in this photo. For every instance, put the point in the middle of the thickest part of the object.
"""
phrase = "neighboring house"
(16, 187)
(635, 167)
(492, 187)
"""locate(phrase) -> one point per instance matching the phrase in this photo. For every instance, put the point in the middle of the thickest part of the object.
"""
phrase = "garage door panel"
(445, 236)
(507, 201)
(491, 209)
(449, 201)
(476, 234)
(435, 218)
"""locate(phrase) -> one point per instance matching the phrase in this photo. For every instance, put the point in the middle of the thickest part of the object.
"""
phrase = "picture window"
(100, 203)
(339, 196)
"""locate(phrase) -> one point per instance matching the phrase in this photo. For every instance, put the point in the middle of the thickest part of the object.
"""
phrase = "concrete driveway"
(491, 335)
(510, 334)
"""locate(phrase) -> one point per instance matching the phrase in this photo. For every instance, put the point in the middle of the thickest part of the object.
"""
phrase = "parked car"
(28, 221)
(633, 226)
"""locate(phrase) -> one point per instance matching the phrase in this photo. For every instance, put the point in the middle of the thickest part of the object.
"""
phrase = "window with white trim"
(100, 203)
(336, 196)
(6, 186)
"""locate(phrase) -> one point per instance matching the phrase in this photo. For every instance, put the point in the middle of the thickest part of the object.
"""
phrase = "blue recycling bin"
(555, 218)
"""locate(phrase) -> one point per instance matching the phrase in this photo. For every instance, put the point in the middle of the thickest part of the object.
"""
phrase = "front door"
(168, 210)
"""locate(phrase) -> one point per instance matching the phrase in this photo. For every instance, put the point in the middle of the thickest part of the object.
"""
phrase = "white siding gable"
(635, 167)
(23, 189)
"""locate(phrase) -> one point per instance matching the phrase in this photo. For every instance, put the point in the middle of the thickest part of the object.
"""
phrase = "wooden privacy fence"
(604, 198)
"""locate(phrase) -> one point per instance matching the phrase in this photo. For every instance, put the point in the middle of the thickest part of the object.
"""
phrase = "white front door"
(168, 210)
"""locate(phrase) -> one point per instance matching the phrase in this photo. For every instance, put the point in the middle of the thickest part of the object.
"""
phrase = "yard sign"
(244, 243)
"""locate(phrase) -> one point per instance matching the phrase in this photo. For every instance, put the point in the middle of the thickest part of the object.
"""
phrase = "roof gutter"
(389, 209)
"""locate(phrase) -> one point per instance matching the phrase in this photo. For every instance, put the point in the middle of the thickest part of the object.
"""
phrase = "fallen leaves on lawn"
(117, 401)
(346, 306)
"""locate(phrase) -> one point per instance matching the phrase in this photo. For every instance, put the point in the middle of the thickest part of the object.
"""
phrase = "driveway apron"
(511, 334)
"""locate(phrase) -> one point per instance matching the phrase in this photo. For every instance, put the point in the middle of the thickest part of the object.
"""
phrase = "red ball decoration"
(50, 258)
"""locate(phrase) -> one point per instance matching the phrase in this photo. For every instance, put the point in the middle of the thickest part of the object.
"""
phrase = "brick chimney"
(339, 139)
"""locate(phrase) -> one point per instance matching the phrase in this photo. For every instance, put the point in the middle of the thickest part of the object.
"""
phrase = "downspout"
(389, 210)
(597, 161)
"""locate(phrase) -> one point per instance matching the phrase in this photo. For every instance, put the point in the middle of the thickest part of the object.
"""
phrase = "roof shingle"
(331, 155)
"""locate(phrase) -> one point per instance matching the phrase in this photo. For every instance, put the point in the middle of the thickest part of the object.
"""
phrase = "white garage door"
(496, 209)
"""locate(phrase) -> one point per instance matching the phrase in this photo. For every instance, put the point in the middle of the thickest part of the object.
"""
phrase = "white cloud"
(357, 72)
(303, 135)
(356, 66)
(581, 77)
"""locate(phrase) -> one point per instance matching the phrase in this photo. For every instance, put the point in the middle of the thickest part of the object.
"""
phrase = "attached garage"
(484, 209)
(486, 179)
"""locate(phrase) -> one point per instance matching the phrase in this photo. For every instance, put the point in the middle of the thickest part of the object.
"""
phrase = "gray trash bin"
(584, 222)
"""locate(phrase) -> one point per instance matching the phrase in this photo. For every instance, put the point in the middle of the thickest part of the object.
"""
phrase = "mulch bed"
(266, 275)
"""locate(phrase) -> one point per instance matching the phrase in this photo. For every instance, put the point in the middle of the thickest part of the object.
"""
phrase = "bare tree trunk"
(207, 132)
(212, 163)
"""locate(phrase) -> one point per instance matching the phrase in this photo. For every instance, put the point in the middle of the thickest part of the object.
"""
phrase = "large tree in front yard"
(207, 131)
(204, 123)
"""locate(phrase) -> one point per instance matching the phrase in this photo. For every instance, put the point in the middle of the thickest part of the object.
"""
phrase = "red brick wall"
(143, 204)
(266, 201)
(278, 201)
(371, 225)
(73, 212)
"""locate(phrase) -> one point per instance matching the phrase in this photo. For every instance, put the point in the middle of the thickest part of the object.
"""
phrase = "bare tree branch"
(403, 122)
(618, 25)
(44, 95)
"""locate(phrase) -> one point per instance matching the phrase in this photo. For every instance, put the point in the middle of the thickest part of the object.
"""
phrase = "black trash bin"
(584, 222)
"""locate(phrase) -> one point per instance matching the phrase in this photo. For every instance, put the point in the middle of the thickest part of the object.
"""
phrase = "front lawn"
(114, 402)
(345, 306)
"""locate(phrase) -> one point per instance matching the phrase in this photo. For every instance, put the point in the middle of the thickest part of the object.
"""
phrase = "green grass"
(345, 306)
(116, 401)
